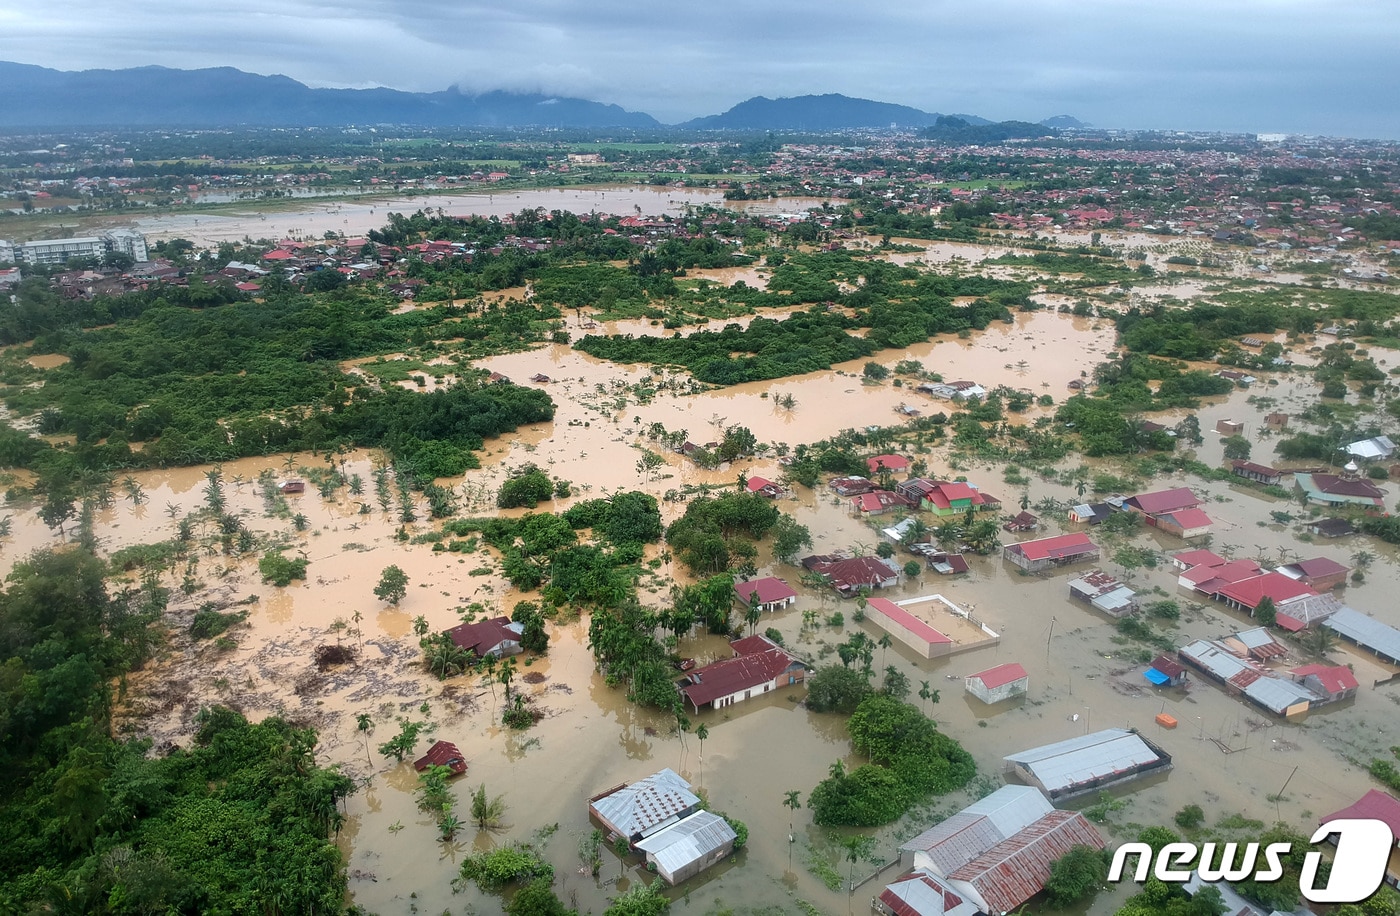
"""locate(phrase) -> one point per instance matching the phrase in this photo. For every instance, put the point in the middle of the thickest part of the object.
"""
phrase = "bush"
(281, 571)
(836, 688)
(528, 488)
(1076, 876)
(209, 623)
(512, 863)
(1190, 817)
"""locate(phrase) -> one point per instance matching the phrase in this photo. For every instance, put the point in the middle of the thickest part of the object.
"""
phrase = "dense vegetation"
(199, 382)
(238, 823)
(909, 760)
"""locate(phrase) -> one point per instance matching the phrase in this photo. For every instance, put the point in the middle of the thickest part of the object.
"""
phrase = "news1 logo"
(1358, 868)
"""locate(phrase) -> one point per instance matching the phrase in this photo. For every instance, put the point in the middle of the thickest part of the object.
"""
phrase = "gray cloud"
(1229, 64)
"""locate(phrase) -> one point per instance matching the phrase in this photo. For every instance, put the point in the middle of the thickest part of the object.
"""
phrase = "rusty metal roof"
(1016, 870)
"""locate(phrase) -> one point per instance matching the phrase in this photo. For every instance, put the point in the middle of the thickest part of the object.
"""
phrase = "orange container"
(1165, 720)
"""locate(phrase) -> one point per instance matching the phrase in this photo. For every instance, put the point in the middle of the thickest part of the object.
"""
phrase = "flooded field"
(311, 219)
(1229, 757)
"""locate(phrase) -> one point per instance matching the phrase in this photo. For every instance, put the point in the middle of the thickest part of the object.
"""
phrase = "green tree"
(1076, 876)
(1265, 612)
(1237, 447)
(789, 537)
(393, 585)
(487, 811)
(836, 688)
(640, 900)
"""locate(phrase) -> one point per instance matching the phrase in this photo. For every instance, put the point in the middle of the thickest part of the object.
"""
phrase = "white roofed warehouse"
(1088, 763)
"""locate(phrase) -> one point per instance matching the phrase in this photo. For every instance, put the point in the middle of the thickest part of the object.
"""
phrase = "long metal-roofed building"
(688, 847)
(1088, 763)
(646, 806)
(1368, 633)
(990, 857)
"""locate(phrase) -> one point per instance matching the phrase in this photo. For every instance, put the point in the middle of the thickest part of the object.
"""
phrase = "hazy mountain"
(957, 131)
(816, 113)
(1064, 122)
(39, 97)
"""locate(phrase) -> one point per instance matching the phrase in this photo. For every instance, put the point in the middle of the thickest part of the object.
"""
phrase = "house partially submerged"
(892, 463)
(993, 855)
(1331, 527)
(878, 502)
(1373, 449)
(497, 636)
(1000, 683)
(1335, 490)
(1021, 522)
(443, 754)
(947, 499)
(1319, 573)
(1165, 672)
(1239, 673)
(759, 666)
(1045, 553)
(647, 806)
(762, 486)
(1330, 682)
(1104, 593)
(689, 846)
(771, 593)
(1258, 473)
(1088, 763)
(1174, 511)
(849, 576)
(1090, 513)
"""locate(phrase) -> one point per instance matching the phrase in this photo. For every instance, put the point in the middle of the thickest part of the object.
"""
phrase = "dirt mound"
(326, 656)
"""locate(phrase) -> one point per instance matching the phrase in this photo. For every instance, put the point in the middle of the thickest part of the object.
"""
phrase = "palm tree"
(885, 643)
(792, 800)
(364, 724)
(505, 673)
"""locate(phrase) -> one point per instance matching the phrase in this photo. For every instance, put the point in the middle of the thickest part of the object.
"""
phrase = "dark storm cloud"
(1262, 65)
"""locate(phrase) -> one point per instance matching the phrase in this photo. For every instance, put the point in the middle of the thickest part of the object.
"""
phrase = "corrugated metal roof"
(920, 893)
(1374, 635)
(1377, 804)
(1068, 763)
(980, 826)
(1016, 870)
(688, 840)
(646, 803)
(1213, 659)
(1278, 694)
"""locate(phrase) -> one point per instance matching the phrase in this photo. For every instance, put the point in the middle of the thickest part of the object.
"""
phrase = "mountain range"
(38, 97)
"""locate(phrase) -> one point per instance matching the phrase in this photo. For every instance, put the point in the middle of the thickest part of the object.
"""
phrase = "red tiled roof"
(856, 572)
(442, 754)
(1200, 557)
(1001, 675)
(1275, 585)
(1240, 464)
(1165, 500)
(719, 679)
(1320, 566)
(1063, 545)
(768, 589)
(907, 620)
(483, 635)
(1335, 678)
(1333, 485)
(1187, 519)
(888, 462)
(1376, 804)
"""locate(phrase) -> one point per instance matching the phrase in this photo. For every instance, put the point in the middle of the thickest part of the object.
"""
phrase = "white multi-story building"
(60, 251)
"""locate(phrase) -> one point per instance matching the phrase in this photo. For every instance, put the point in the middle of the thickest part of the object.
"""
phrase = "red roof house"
(1335, 682)
(443, 754)
(497, 636)
(773, 593)
(917, 634)
(997, 684)
(1163, 501)
(1043, 553)
(758, 666)
(1247, 593)
(891, 463)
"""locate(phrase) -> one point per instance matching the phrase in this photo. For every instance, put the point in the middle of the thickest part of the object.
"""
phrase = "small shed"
(292, 486)
(1000, 683)
(1022, 522)
(1332, 527)
(1276, 420)
(1166, 672)
(443, 754)
(1229, 427)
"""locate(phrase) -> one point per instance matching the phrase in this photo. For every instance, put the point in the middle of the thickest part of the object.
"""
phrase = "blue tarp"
(1155, 676)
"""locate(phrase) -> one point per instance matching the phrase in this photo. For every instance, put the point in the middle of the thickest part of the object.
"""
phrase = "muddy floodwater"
(311, 219)
(1229, 757)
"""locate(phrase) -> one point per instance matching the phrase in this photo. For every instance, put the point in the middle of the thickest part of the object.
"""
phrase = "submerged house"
(1044, 553)
(1104, 593)
(1334, 490)
(1000, 683)
(849, 576)
(1174, 511)
(638, 810)
(771, 593)
(689, 846)
(498, 636)
(759, 665)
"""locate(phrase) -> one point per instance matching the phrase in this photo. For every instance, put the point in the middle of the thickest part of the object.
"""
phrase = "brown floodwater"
(312, 218)
(590, 738)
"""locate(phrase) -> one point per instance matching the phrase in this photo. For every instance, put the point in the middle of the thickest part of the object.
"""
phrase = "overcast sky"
(1309, 66)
